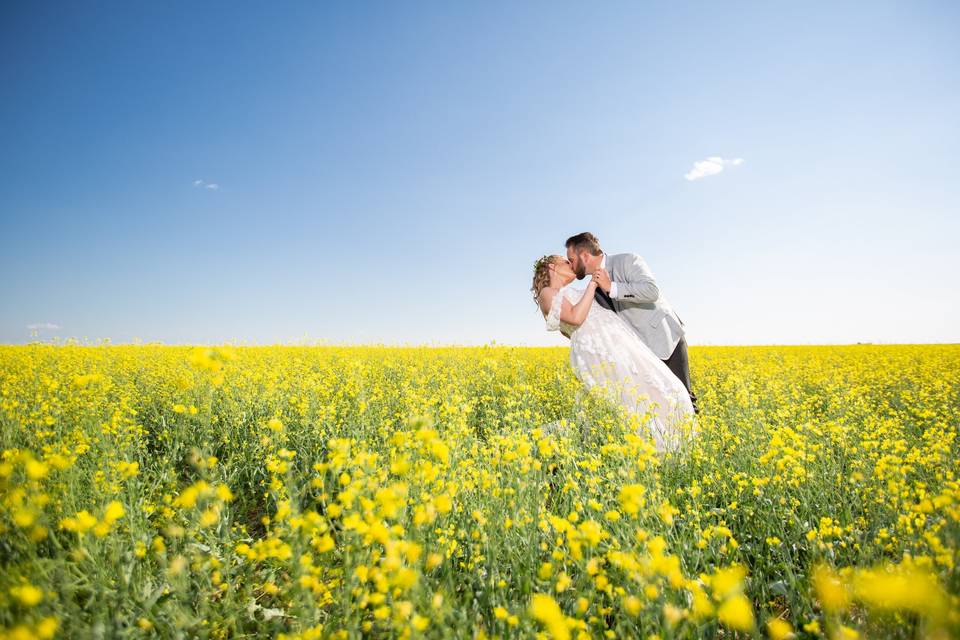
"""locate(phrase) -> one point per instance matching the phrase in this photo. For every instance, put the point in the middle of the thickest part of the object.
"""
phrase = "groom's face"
(579, 268)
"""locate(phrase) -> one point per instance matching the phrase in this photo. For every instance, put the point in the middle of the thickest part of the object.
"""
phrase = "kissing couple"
(626, 341)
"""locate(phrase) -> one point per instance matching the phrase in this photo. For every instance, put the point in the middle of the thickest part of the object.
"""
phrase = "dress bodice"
(598, 317)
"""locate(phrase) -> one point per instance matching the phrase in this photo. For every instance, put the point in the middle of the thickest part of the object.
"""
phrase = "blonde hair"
(541, 275)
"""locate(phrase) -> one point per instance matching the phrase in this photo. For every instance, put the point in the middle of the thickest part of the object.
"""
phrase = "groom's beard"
(580, 272)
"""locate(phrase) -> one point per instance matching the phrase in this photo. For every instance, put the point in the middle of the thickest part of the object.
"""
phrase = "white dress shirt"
(613, 285)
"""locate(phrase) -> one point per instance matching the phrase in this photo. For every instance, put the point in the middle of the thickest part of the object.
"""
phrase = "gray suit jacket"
(640, 303)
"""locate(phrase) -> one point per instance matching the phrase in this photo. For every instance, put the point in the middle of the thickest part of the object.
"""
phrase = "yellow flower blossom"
(779, 629)
(737, 613)
(545, 609)
(27, 595)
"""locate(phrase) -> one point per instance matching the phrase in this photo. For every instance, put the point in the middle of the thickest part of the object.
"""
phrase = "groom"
(626, 286)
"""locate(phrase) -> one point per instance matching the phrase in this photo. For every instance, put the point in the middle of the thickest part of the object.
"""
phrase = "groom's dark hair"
(585, 241)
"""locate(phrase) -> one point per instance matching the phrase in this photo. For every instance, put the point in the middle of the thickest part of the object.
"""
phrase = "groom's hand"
(603, 279)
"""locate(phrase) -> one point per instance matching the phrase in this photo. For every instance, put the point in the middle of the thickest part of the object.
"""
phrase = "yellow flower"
(666, 511)
(440, 450)
(325, 543)
(779, 629)
(832, 592)
(47, 627)
(209, 517)
(812, 627)
(672, 614)
(846, 633)
(546, 570)
(81, 523)
(128, 469)
(113, 512)
(901, 588)
(177, 566)
(632, 498)
(582, 605)
(727, 582)
(546, 610)
(403, 609)
(702, 606)
(24, 517)
(632, 605)
(35, 469)
(420, 623)
(443, 503)
(737, 613)
(58, 461)
(405, 578)
(27, 594)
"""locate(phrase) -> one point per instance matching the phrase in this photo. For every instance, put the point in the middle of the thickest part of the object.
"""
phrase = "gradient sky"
(388, 172)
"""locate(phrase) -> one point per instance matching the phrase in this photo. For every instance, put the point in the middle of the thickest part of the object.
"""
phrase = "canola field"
(347, 492)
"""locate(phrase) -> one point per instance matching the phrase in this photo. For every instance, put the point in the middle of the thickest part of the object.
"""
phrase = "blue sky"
(388, 172)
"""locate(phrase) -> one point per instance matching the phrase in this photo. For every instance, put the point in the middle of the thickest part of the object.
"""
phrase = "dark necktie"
(604, 299)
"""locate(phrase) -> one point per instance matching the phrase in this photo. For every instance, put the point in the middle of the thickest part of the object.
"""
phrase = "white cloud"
(43, 326)
(711, 167)
(213, 186)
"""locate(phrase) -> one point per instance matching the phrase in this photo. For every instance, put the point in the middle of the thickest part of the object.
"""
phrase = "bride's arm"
(573, 314)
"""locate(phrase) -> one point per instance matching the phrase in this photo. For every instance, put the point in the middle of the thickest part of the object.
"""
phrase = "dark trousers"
(678, 363)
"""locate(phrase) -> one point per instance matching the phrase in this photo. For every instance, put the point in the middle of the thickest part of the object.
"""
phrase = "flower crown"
(542, 260)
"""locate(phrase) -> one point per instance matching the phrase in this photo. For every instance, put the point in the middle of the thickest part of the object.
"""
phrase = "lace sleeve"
(553, 317)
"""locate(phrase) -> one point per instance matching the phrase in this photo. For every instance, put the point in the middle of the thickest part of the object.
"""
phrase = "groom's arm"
(636, 284)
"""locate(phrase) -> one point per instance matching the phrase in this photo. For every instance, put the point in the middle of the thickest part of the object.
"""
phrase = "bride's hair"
(541, 275)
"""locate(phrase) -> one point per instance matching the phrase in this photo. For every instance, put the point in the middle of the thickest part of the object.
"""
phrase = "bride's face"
(563, 271)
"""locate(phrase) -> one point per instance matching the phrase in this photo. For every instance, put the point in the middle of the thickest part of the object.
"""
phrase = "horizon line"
(106, 342)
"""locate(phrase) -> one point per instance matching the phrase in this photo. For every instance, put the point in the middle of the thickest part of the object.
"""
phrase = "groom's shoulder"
(626, 257)
(632, 262)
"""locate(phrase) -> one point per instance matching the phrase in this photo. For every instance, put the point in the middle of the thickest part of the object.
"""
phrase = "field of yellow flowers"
(345, 492)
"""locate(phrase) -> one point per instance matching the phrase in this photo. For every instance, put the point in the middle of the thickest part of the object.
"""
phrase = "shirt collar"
(603, 262)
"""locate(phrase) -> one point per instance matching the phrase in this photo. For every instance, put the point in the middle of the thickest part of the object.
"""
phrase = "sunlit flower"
(545, 609)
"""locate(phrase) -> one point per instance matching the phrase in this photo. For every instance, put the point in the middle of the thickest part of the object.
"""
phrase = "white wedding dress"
(607, 356)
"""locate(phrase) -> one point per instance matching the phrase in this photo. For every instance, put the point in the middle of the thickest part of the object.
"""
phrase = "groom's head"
(584, 254)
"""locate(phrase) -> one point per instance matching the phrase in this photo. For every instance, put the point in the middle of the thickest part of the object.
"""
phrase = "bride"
(608, 356)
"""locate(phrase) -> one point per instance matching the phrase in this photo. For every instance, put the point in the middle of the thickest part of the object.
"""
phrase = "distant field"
(308, 492)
